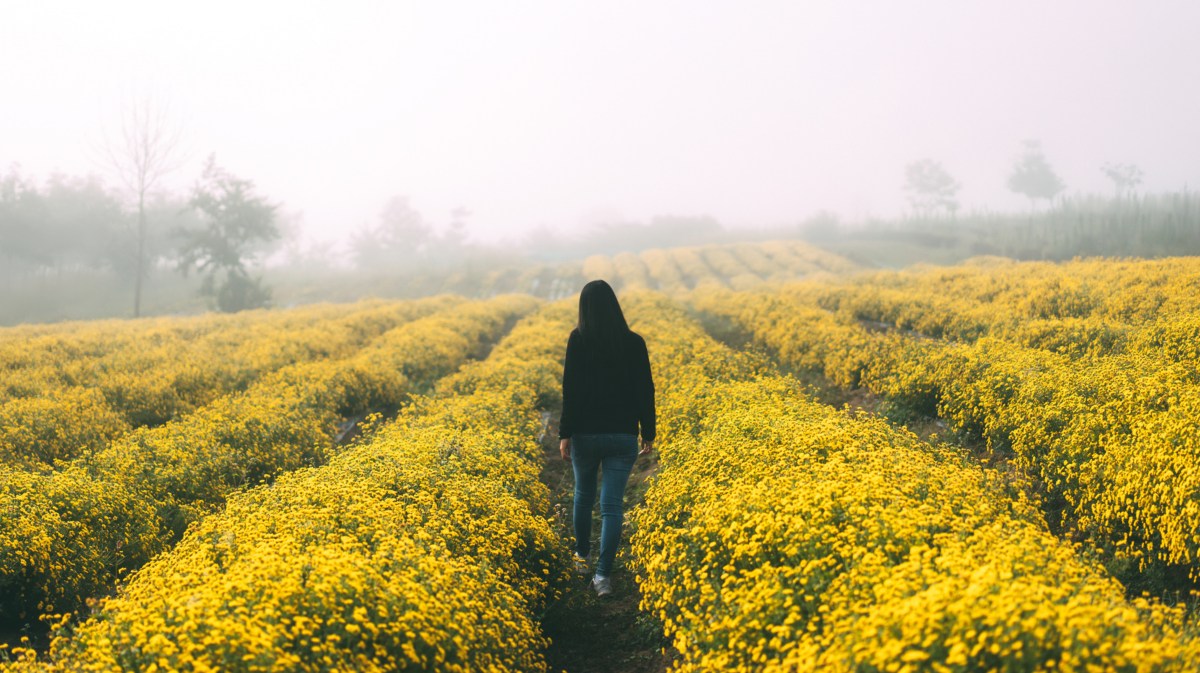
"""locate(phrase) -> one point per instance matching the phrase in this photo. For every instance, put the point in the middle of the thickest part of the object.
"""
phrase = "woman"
(608, 393)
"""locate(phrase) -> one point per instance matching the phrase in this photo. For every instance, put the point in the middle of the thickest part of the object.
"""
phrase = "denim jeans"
(615, 453)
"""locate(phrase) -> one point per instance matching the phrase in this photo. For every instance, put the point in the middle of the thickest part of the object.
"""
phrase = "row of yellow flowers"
(1108, 425)
(1075, 308)
(426, 546)
(782, 534)
(739, 265)
(72, 390)
(675, 270)
(68, 534)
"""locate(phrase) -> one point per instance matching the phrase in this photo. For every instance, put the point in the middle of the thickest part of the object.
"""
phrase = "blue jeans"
(616, 453)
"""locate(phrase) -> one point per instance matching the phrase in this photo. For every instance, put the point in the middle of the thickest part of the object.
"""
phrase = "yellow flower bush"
(663, 270)
(778, 533)
(672, 270)
(38, 431)
(782, 534)
(631, 271)
(65, 536)
(171, 475)
(1084, 374)
(425, 547)
(74, 390)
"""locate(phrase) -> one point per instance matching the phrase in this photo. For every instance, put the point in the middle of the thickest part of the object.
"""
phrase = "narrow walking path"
(591, 634)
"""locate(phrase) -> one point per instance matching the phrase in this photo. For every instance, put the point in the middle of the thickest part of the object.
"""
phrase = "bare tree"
(146, 151)
(1125, 177)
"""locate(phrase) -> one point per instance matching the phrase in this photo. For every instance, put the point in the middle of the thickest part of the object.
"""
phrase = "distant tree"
(167, 213)
(66, 225)
(398, 239)
(930, 188)
(146, 151)
(82, 217)
(402, 227)
(235, 221)
(1032, 175)
(21, 209)
(1125, 177)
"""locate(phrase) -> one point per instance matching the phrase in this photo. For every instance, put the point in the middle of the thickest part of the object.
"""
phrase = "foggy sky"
(558, 113)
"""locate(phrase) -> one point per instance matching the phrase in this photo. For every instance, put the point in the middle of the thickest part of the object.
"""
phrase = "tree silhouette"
(1032, 175)
(146, 151)
(930, 188)
(399, 238)
(1125, 177)
(235, 220)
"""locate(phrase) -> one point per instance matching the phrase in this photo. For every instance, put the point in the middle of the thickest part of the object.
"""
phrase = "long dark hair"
(601, 321)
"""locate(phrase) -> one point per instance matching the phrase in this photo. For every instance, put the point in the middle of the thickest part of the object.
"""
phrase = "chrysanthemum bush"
(133, 499)
(1084, 374)
(64, 536)
(424, 547)
(782, 534)
(676, 270)
(1019, 301)
(71, 391)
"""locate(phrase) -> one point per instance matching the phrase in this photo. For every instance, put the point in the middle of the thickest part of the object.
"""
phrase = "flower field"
(71, 389)
(176, 494)
(670, 270)
(70, 531)
(1084, 375)
(783, 534)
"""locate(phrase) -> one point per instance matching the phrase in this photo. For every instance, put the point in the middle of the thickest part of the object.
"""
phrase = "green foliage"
(235, 221)
(241, 292)
(67, 223)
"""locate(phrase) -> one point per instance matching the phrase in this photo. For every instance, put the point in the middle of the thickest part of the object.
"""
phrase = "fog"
(562, 113)
(564, 129)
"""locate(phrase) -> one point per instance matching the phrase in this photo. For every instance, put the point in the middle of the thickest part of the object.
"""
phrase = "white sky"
(528, 113)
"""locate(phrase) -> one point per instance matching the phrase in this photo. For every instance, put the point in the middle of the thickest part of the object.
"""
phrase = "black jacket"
(600, 397)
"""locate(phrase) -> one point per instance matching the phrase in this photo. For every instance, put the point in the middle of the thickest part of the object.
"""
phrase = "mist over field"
(434, 139)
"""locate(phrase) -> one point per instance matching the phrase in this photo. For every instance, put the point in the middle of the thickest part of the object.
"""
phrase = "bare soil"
(588, 633)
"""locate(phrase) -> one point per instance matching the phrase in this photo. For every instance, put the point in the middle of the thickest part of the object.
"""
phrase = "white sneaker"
(581, 565)
(602, 585)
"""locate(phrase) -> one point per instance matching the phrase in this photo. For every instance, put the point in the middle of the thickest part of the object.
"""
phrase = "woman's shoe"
(602, 585)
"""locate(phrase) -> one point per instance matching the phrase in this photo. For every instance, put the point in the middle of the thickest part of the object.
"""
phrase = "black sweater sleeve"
(645, 391)
(572, 395)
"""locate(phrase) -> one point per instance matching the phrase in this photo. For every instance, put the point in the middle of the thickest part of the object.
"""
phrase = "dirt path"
(589, 633)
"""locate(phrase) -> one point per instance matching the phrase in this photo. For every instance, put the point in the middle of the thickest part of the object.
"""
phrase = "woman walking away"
(608, 392)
